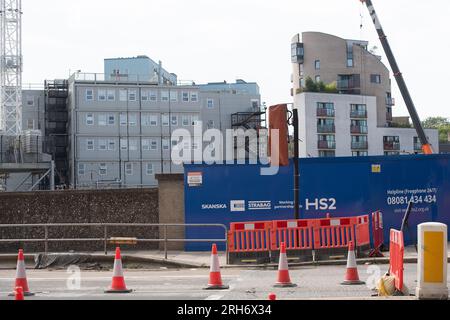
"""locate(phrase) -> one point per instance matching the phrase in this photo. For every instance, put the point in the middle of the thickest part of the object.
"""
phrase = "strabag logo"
(259, 205)
(214, 206)
(237, 205)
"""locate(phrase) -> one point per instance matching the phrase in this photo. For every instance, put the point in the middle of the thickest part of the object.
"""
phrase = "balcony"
(347, 84)
(359, 129)
(326, 128)
(392, 146)
(326, 145)
(358, 114)
(389, 116)
(322, 112)
(390, 102)
(360, 145)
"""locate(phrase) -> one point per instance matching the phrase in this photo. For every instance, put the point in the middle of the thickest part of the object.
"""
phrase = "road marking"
(214, 297)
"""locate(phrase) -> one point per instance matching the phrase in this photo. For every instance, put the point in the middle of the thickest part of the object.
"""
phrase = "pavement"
(314, 282)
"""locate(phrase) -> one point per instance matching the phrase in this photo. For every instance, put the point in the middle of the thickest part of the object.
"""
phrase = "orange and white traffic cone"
(19, 294)
(284, 280)
(118, 281)
(215, 277)
(21, 276)
(352, 277)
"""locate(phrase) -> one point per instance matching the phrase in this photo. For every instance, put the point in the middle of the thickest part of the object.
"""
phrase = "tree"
(440, 123)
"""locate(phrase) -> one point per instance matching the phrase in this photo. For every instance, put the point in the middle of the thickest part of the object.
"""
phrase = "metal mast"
(11, 66)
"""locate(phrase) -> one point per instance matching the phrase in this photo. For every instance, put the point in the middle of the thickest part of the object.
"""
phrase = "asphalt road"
(313, 283)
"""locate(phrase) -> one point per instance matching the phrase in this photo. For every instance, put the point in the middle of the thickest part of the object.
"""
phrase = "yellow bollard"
(432, 262)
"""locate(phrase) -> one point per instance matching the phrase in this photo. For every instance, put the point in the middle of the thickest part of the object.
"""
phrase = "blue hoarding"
(339, 186)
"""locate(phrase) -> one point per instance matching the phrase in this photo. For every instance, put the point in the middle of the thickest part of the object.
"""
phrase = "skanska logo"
(213, 206)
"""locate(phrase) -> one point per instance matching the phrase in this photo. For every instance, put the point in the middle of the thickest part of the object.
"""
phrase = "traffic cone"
(215, 278)
(272, 297)
(284, 280)
(19, 294)
(352, 277)
(118, 281)
(21, 276)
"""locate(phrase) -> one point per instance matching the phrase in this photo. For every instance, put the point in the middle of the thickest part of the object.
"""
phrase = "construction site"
(132, 184)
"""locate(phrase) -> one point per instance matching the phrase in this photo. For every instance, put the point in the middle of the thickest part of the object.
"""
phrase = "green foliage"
(312, 86)
(440, 123)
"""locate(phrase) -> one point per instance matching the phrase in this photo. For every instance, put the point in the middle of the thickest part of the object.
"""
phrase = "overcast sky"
(216, 40)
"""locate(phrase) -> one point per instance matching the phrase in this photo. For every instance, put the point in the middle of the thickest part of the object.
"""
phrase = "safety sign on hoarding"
(195, 179)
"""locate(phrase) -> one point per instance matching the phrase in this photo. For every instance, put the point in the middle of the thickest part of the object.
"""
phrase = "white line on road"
(214, 297)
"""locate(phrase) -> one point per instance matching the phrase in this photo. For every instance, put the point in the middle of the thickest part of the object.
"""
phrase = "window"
(327, 154)
(153, 96)
(102, 145)
(90, 119)
(173, 96)
(102, 119)
(133, 145)
(153, 145)
(210, 124)
(132, 95)
(164, 95)
(317, 64)
(185, 96)
(210, 103)
(111, 95)
(149, 169)
(133, 120)
(317, 78)
(30, 101)
(154, 120)
(194, 96)
(123, 119)
(89, 95)
(302, 70)
(123, 95)
(165, 144)
(81, 169)
(90, 145)
(360, 154)
(30, 124)
(103, 169)
(129, 169)
(101, 95)
(144, 95)
(145, 120)
(145, 144)
(185, 121)
(111, 119)
(165, 120)
(174, 120)
(194, 120)
(112, 145)
(375, 78)
(123, 144)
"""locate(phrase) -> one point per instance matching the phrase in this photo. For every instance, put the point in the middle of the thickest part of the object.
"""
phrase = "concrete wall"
(106, 206)
(171, 207)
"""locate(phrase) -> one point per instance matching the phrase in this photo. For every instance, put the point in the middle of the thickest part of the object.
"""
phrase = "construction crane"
(426, 146)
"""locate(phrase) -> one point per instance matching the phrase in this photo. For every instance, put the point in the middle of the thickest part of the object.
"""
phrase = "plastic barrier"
(321, 239)
(397, 251)
(362, 233)
(332, 237)
(378, 234)
(249, 242)
(298, 237)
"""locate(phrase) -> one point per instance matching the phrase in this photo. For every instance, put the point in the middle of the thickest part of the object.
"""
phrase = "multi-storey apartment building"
(120, 131)
(353, 116)
(338, 125)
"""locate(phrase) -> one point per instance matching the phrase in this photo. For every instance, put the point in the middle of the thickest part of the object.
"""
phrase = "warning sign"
(195, 179)
(376, 168)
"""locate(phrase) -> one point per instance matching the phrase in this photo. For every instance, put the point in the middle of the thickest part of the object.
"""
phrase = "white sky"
(216, 40)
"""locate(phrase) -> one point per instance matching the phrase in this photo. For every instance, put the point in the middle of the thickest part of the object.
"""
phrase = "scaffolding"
(11, 67)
